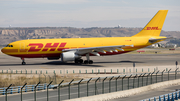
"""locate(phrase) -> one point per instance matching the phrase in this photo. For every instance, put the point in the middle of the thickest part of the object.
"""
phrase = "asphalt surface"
(64, 92)
(122, 60)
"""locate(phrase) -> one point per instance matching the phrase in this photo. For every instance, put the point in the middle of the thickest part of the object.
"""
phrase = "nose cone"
(3, 50)
(7, 50)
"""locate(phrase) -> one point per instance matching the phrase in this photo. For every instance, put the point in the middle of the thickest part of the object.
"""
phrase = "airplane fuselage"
(41, 48)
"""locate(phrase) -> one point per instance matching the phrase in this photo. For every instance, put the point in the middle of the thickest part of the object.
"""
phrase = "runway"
(123, 60)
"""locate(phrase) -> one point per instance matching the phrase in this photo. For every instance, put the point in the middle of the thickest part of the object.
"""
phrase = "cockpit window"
(9, 46)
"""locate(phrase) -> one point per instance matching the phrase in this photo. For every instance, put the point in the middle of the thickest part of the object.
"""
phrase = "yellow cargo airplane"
(72, 49)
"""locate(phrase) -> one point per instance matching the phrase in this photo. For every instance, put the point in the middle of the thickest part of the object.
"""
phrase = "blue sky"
(87, 13)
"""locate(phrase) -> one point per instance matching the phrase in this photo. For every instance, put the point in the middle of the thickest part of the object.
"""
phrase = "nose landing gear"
(23, 61)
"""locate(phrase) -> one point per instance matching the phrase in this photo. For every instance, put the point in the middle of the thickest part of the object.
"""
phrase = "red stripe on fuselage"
(36, 55)
(58, 54)
(9, 50)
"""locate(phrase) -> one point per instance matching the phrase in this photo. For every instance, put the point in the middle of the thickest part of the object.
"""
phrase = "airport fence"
(95, 86)
(26, 88)
(121, 70)
(125, 70)
(166, 97)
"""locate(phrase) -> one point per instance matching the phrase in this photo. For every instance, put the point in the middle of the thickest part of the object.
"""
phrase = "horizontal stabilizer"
(152, 40)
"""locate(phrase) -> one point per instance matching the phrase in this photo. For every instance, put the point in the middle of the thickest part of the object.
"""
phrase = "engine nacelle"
(69, 56)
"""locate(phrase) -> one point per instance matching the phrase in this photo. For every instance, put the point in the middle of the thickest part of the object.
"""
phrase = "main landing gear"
(23, 62)
(79, 61)
(88, 61)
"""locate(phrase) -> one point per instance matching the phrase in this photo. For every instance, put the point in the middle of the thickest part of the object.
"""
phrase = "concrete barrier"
(125, 93)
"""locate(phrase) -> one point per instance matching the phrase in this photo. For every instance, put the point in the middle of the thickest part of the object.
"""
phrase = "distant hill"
(8, 35)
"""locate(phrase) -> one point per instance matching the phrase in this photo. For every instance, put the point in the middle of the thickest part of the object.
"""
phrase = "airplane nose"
(8, 51)
(3, 50)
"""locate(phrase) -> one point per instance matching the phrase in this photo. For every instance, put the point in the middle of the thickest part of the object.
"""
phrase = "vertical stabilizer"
(153, 28)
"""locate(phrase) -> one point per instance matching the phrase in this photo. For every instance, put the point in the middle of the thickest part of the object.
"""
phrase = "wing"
(95, 50)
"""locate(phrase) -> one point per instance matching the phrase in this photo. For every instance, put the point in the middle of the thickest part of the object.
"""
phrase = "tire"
(85, 62)
(76, 61)
(23, 63)
(90, 62)
(80, 61)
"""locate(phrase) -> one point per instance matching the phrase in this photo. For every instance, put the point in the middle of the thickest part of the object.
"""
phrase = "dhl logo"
(35, 47)
(152, 28)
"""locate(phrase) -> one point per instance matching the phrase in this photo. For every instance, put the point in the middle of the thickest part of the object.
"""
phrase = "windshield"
(9, 46)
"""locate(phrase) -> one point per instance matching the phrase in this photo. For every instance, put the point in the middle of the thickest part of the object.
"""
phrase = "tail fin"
(153, 28)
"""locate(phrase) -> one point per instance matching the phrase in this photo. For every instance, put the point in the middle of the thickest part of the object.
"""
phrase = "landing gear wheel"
(23, 63)
(86, 62)
(90, 62)
(78, 61)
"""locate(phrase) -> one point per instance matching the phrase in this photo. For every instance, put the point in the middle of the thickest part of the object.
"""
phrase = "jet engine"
(69, 56)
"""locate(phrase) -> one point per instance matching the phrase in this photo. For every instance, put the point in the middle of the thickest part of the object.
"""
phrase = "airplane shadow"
(20, 64)
(131, 62)
(95, 64)
(121, 62)
(53, 63)
(73, 64)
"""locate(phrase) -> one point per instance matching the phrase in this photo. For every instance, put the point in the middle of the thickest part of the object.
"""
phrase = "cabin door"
(22, 47)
